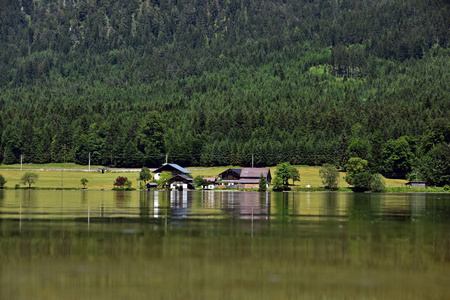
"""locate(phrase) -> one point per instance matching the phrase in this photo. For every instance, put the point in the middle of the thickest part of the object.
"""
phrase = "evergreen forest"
(222, 82)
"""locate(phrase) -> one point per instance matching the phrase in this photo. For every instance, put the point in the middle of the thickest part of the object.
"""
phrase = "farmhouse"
(249, 177)
(230, 177)
(172, 168)
(181, 180)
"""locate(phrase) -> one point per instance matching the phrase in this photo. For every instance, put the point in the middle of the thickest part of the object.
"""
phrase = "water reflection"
(285, 207)
(223, 245)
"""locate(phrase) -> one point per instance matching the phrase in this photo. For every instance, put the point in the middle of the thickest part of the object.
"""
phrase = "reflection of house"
(172, 168)
(230, 176)
(181, 180)
(416, 183)
(250, 177)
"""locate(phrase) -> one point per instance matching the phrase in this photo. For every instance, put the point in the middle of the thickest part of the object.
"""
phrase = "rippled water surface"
(223, 245)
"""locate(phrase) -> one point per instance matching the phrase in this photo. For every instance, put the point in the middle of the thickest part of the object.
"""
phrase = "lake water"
(223, 245)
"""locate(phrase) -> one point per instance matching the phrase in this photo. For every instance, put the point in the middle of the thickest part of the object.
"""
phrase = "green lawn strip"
(309, 176)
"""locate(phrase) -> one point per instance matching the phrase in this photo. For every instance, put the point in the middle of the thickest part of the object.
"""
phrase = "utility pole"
(89, 161)
(21, 162)
(252, 160)
(167, 157)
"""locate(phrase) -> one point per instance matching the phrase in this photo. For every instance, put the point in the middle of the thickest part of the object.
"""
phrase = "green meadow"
(68, 176)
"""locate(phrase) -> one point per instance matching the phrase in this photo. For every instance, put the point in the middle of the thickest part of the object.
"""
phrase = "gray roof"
(237, 170)
(182, 177)
(175, 166)
(254, 172)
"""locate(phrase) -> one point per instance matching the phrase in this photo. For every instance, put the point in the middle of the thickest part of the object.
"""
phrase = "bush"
(2, 181)
(330, 176)
(377, 183)
(362, 181)
(128, 184)
(120, 181)
(446, 188)
(84, 182)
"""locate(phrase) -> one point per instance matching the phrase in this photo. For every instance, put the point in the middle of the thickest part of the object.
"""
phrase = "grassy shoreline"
(67, 176)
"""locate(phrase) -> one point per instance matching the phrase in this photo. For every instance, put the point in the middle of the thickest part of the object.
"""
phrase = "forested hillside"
(211, 82)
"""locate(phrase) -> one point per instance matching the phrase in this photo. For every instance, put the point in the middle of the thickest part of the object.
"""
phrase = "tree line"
(227, 83)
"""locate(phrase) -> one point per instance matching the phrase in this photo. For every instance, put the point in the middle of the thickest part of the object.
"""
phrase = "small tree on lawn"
(84, 182)
(145, 175)
(262, 183)
(29, 178)
(277, 184)
(330, 176)
(284, 172)
(295, 175)
(128, 184)
(2, 181)
(120, 181)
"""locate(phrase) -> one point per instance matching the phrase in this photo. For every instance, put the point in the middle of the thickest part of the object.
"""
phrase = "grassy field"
(48, 166)
(308, 176)
(97, 181)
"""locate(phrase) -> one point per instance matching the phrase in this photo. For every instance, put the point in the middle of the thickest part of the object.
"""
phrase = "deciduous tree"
(330, 176)
(29, 178)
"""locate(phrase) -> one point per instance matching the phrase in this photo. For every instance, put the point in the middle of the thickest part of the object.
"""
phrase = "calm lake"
(223, 245)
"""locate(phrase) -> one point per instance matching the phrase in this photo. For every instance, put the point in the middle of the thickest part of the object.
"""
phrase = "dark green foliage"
(354, 167)
(277, 184)
(262, 183)
(399, 155)
(330, 176)
(213, 82)
(2, 181)
(284, 171)
(434, 167)
(145, 175)
(377, 183)
(361, 181)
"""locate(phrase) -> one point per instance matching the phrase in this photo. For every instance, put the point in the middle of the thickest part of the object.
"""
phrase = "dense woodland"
(213, 82)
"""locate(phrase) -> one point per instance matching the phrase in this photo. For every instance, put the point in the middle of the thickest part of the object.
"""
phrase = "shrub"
(128, 184)
(2, 181)
(330, 176)
(120, 181)
(84, 181)
(377, 183)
